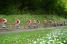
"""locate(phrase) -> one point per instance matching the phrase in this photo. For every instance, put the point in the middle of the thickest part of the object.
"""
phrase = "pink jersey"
(30, 22)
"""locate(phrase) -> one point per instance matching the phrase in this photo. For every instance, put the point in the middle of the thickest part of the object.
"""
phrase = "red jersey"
(17, 21)
(1, 20)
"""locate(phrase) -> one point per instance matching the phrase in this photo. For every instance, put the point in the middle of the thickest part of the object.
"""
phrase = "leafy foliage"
(41, 6)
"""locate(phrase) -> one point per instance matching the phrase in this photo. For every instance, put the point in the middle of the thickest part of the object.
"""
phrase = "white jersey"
(4, 20)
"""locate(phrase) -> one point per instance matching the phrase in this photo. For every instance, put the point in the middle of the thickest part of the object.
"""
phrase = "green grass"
(44, 36)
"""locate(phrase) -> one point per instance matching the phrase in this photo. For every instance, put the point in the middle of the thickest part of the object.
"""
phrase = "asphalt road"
(28, 30)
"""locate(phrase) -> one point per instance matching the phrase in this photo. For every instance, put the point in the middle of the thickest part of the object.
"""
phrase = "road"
(28, 30)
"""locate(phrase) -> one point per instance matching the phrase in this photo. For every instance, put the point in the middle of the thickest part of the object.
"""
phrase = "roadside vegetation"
(42, 36)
